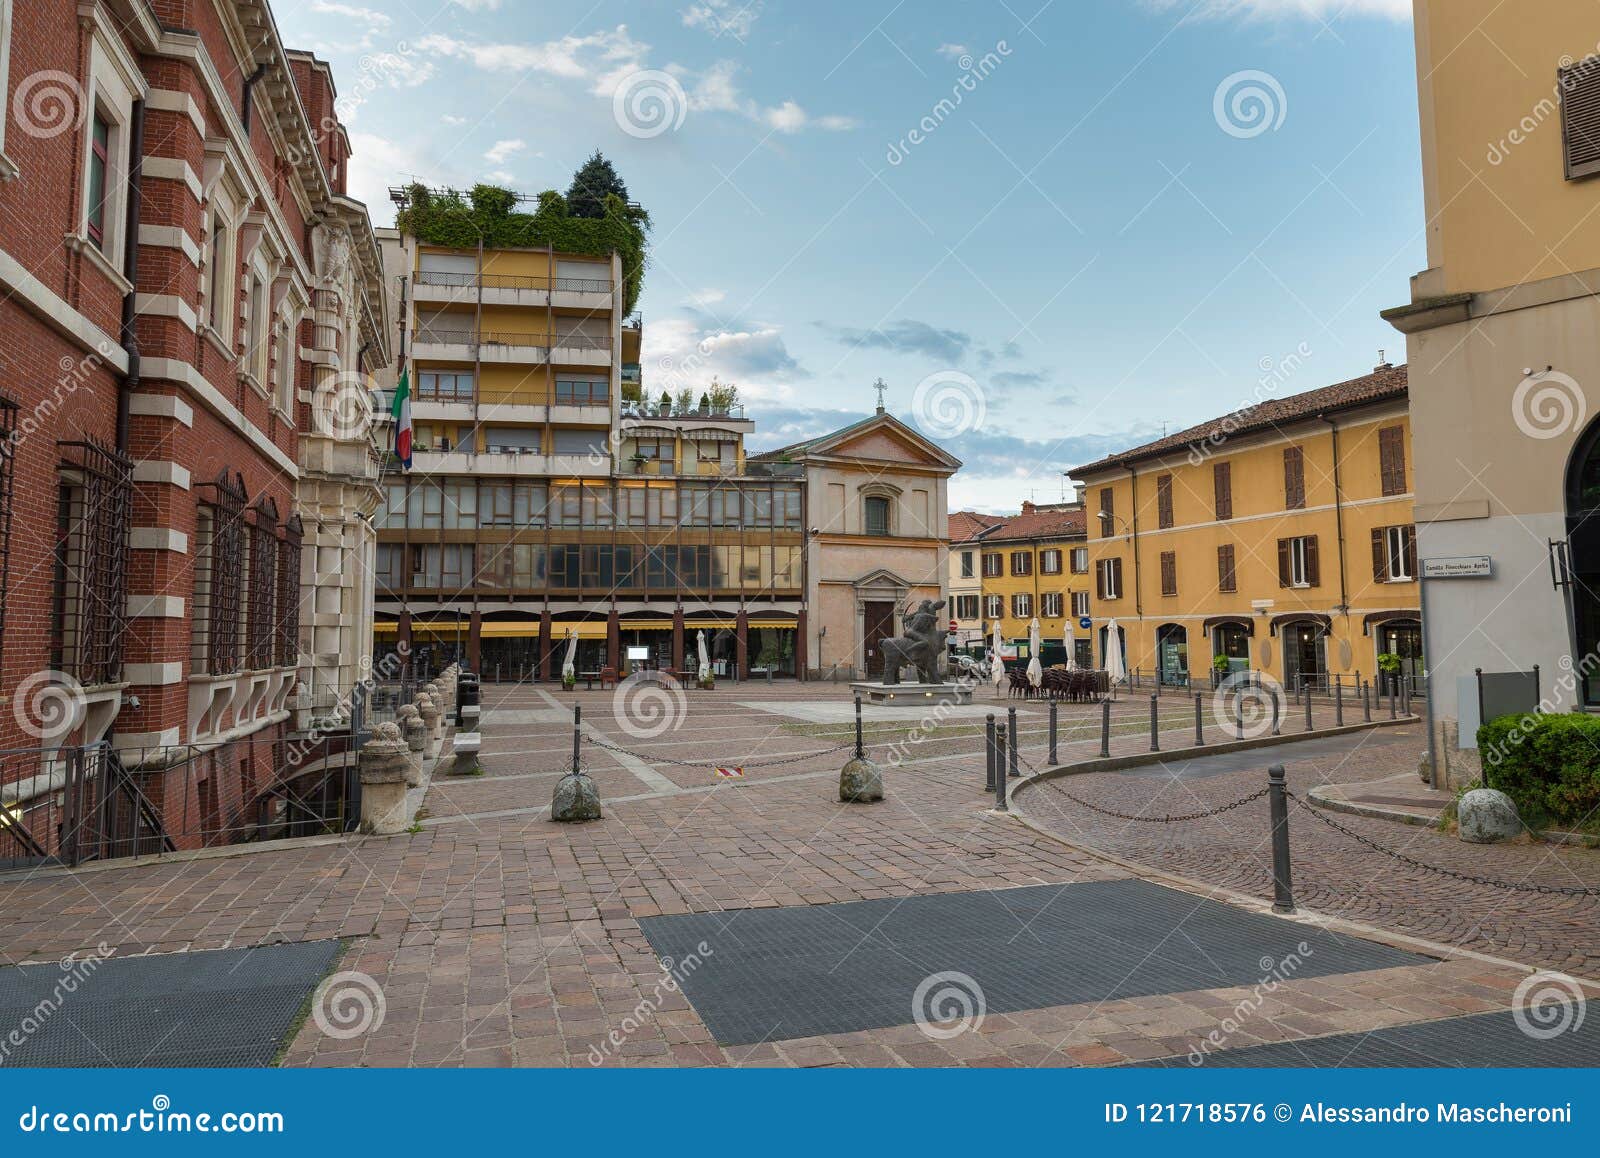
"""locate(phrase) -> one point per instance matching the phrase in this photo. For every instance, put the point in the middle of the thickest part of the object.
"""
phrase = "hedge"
(449, 219)
(1548, 764)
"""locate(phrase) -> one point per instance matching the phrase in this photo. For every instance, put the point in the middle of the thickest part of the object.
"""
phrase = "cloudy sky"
(1052, 228)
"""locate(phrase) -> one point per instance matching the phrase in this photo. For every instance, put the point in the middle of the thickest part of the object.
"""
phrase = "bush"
(1548, 764)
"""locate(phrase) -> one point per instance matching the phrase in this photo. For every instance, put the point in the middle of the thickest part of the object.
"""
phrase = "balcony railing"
(438, 336)
(512, 282)
(647, 410)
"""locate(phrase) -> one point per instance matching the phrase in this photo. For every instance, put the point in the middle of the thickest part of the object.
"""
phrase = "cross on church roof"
(880, 386)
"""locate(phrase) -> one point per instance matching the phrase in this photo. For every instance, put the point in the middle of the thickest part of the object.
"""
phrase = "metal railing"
(512, 338)
(514, 282)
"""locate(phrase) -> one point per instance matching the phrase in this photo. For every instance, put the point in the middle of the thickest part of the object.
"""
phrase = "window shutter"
(1380, 556)
(1313, 570)
(1222, 483)
(1108, 525)
(1580, 117)
(1169, 573)
(1116, 575)
(1294, 478)
(1164, 500)
(1392, 459)
(1226, 579)
(1100, 580)
(1411, 551)
(1284, 571)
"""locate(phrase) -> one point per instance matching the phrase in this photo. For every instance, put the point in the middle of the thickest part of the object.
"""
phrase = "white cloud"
(502, 151)
(706, 297)
(952, 51)
(721, 18)
(678, 352)
(1274, 9)
(477, 5)
(350, 11)
(452, 120)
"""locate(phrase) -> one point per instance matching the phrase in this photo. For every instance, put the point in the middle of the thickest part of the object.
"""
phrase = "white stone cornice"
(158, 539)
(39, 298)
(173, 169)
(172, 370)
(155, 607)
(171, 101)
(159, 471)
(161, 406)
(170, 237)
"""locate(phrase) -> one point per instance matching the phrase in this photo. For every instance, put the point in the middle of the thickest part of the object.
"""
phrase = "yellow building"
(1503, 335)
(967, 529)
(1278, 536)
(1037, 565)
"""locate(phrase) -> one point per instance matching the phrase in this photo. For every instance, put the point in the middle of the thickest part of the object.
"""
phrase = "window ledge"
(217, 340)
(9, 170)
(249, 379)
(85, 248)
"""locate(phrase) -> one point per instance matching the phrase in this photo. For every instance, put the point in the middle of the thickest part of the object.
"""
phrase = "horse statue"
(921, 645)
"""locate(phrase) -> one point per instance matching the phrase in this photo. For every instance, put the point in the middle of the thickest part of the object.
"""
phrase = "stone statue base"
(860, 782)
(908, 695)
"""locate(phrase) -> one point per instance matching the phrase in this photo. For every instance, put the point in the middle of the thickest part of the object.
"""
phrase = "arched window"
(875, 511)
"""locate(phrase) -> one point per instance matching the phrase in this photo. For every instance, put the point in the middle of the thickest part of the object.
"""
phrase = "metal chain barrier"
(1455, 874)
(653, 758)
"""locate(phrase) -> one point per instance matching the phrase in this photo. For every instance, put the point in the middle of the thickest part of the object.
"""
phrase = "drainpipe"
(1338, 514)
(247, 102)
(130, 269)
(1133, 528)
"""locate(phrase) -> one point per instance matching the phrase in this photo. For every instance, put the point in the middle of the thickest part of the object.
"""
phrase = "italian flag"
(401, 411)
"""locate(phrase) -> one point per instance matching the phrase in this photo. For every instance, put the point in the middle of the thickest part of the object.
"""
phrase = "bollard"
(1276, 721)
(989, 752)
(1238, 713)
(1309, 724)
(384, 768)
(1393, 714)
(576, 798)
(1199, 723)
(1105, 728)
(1155, 734)
(1016, 741)
(1338, 703)
(1053, 760)
(1282, 884)
(860, 780)
(999, 765)
(1366, 699)
(860, 751)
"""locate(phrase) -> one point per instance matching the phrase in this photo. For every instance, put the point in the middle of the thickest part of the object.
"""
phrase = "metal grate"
(263, 586)
(91, 558)
(218, 577)
(289, 548)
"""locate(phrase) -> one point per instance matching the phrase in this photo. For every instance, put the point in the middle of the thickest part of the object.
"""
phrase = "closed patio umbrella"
(1071, 644)
(998, 675)
(705, 662)
(568, 670)
(1116, 668)
(1035, 641)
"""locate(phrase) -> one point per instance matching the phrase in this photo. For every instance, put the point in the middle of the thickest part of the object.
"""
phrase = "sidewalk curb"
(1371, 811)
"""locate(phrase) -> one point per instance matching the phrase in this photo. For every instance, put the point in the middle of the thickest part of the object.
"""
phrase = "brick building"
(190, 302)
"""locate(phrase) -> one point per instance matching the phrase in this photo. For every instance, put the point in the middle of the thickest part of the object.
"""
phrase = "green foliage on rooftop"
(449, 218)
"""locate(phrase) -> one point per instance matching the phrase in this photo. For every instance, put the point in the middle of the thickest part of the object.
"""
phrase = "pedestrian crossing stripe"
(730, 773)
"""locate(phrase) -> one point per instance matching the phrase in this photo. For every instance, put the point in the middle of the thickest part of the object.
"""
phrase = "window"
(1222, 488)
(1022, 562)
(219, 313)
(1108, 522)
(1169, 572)
(1227, 573)
(1580, 117)
(99, 175)
(582, 391)
(7, 168)
(89, 592)
(876, 511)
(1080, 603)
(994, 606)
(1164, 501)
(391, 572)
(1297, 562)
(284, 367)
(255, 328)
(1392, 453)
(220, 599)
(1050, 562)
(1050, 604)
(1394, 554)
(445, 386)
(1294, 478)
(517, 439)
(585, 443)
(993, 562)
(1108, 579)
(1080, 560)
(966, 564)
(966, 607)
(1022, 605)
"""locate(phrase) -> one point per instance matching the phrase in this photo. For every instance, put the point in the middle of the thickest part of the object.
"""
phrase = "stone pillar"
(416, 739)
(475, 640)
(677, 638)
(613, 640)
(385, 772)
(546, 645)
(741, 641)
(431, 717)
(800, 644)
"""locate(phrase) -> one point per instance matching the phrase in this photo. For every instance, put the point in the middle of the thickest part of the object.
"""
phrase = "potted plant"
(705, 404)
(1389, 665)
(666, 405)
(569, 680)
(707, 684)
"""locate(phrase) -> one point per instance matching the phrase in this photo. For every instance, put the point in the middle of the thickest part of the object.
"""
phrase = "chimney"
(1027, 507)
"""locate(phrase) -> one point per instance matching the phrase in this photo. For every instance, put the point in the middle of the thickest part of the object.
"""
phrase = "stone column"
(475, 640)
(430, 722)
(614, 641)
(741, 639)
(546, 645)
(800, 644)
(385, 772)
(677, 638)
(403, 636)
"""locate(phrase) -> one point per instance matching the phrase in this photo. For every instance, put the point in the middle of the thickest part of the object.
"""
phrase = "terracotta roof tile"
(1042, 523)
(1387, 382)
(968, 525)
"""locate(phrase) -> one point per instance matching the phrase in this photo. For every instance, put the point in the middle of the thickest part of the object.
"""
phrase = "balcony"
(730, 419)
(587, 294)
(501, 346)
(509, 463)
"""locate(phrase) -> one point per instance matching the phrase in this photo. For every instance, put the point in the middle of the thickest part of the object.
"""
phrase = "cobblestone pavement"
(1334, 874)
(497, 937)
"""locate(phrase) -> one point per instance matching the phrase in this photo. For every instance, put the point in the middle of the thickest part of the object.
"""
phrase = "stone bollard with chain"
(385, 770)
(432, 719)
(416, 739)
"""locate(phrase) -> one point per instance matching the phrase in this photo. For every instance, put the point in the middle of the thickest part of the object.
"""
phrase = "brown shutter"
(1294, 478)
(1100, 579)
(1313, 568)
(1284, 570)
(1226, 579)
(1580, 117)
(1164, 500)
(1380, 556)
(1116, 575)
(1392, 459)
(1108, 525)
(1411, 551)
(1222, 484)
(1169, 573)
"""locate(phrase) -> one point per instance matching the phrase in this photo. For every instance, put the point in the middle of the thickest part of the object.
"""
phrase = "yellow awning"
(558, 631)
(509, 630)
(771, 623)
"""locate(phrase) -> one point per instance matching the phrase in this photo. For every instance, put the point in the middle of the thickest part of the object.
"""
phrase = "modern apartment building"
(542, 507)
(1503, 337)
(189, 296)
(1037, 565)
(967, 529)
(1279, 536)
